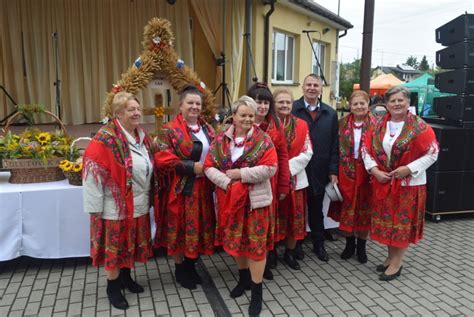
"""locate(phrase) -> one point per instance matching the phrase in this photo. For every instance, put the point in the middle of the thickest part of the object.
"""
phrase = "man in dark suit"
(324, 165)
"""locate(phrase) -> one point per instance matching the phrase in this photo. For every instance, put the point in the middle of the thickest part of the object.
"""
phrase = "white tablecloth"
(42, 220)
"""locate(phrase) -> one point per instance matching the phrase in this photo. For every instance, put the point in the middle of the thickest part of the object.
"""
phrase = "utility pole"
(367, 45)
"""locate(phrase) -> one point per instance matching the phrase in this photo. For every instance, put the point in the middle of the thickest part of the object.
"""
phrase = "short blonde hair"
(282, 90)
(243, 101)
(120, 101)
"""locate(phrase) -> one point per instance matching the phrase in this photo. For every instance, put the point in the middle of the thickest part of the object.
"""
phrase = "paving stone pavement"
(437, 280)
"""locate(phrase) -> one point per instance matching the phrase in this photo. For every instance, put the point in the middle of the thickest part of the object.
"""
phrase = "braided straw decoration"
(160, 57)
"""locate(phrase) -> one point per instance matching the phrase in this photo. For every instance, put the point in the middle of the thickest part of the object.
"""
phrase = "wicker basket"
(33, 171)
(74, 178)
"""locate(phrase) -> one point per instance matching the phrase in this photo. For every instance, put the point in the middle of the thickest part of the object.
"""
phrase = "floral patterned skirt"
(355, 215)
(291, 216)
(399, 221)
(109, 242)
(243, 232)
(186, 224)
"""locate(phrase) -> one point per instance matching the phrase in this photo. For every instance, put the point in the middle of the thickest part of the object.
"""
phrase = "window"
(320, 50)
(283, 50)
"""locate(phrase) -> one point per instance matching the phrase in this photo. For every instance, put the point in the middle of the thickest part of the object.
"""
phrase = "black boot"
(190, 264)
(361, 250)
(272, 259)
(255, 306)
(242, 285)
(183, 277)
(290, 260)
(267, 274)
(349, 250)
(299, 254)
(320, 251)
(114, 292)
(128, 282)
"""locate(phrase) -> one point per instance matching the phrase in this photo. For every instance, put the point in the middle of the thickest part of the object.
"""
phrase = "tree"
(412, 61)
(349, 75)
(424, 66)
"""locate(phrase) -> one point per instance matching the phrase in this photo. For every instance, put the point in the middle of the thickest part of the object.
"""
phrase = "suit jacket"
(324, 133)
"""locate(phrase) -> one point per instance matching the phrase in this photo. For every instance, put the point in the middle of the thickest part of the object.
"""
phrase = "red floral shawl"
(109, 160)
(351, 171)
(258, 150)
(277, 135)
(175, 143)
(415, 140)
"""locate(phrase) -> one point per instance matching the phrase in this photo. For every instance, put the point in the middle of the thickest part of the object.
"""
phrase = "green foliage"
(412, 61)
(424, 66)
(349, 75)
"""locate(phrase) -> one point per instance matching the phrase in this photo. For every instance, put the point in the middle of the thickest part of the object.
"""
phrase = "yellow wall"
(289, 21)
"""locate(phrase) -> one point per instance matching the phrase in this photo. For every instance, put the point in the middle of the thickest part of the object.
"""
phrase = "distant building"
(402, 72)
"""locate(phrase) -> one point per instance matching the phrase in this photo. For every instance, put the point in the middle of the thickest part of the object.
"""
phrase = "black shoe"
(290, 260)
(127, 281)
(381, 268)
(361, 250)
(299, 254)
(272, 259)
(349, 250)
(114, 293)
(320, 251)
(267, 274)
(255, 306)
(385, 277)
(330, 235)
(242, 285)
(190, 266)
(183, 277)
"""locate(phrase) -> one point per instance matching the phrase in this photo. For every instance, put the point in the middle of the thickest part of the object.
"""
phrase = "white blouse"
(417, 168)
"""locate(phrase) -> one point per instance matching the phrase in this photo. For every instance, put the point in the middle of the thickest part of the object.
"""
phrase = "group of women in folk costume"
(255, 167)
(382, 178)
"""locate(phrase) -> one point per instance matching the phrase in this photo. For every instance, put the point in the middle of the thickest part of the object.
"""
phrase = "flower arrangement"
(68, 166)
(33, 143)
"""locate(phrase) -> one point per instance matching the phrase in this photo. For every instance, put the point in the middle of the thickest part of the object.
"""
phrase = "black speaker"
(453, 148)
(457, 30)
(467, 195)
(444, 191)
(456, 81)
(455, 107)
(458, 55)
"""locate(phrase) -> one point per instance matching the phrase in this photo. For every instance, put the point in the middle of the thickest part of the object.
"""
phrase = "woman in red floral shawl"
(397, 153)
(117, 190)
(292, 209)
(241, 161)
(185, 221)
(355, 209)
(267, 119)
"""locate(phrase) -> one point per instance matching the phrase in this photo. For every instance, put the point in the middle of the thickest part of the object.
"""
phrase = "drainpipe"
(266, 37)
(343, 34)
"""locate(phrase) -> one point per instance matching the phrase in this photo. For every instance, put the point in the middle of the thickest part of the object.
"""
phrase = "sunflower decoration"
(34, 144)
(66, 166)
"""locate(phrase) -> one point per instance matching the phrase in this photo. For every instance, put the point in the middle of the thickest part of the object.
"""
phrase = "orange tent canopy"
(382, 83)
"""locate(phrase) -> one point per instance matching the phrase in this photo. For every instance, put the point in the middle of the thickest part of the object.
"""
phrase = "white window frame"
(274, 63)
(319, 47)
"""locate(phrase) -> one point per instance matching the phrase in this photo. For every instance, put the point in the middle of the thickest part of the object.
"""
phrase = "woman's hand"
(382, 177)
(198, 168)
(282, 196)
(234, 173)
(400, 172)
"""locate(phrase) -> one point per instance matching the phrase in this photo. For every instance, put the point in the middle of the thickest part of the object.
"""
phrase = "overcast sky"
(401, 28)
